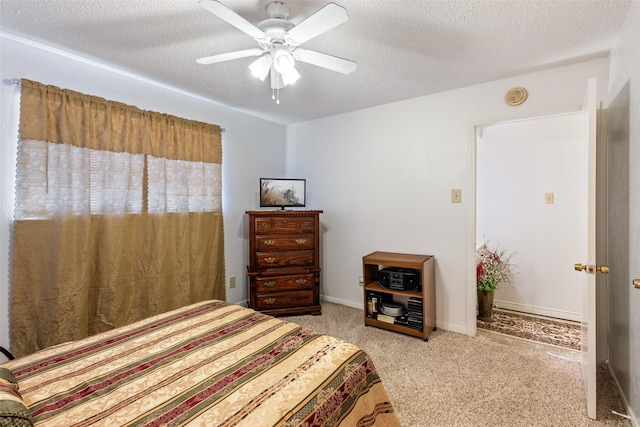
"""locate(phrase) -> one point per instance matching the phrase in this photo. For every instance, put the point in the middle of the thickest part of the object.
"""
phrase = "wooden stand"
(425, 297)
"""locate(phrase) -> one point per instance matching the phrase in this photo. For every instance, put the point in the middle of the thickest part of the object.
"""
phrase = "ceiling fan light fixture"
(261, 66)
(290, 77)
(283, 61)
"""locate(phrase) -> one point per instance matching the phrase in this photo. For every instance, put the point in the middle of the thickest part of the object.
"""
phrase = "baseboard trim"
(342, 302)
(634, 420)
(540, 311)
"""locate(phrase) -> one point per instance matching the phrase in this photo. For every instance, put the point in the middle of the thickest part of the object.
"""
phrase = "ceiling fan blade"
(323, 20)
(229, 56)
(323, 60)
(226, 14)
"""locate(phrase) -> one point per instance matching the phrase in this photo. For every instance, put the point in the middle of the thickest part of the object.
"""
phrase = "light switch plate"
(456, 195)
(548, 198)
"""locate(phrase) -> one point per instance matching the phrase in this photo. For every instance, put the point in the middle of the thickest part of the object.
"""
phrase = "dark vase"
(485, 305)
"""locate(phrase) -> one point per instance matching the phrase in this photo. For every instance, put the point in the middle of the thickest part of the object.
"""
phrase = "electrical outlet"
(456, 196)
(232, 282)
(361, 281)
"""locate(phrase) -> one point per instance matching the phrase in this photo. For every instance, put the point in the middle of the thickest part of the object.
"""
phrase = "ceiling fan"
(279, 42)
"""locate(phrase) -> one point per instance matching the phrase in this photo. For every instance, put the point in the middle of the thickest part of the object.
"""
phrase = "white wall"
(251, 147)
(384, 175)
(624, 306)
(517, 164)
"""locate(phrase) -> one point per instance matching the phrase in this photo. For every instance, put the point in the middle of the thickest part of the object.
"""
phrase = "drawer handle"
(270, 301)
(301, 241)
(270, 260)
(269, 242)
(301, 281)
(270, 283)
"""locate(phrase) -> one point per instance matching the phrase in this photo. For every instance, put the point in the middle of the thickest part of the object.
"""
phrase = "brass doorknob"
(636, 283)
(591, 269)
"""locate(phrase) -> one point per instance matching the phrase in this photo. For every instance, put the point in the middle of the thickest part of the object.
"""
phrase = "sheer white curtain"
(183, 186)
(56, 179)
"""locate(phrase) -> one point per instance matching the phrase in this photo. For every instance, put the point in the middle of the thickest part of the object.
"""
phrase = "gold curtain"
(81, 270)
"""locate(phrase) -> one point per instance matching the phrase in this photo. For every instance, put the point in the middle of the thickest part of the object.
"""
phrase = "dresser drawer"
(284, 225)
(263, 225)
(278, 243)
(284, 283)
(284, 299)
(293, 225)
(284, 259)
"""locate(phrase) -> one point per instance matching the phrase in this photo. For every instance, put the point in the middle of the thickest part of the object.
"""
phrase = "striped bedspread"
(208, 364)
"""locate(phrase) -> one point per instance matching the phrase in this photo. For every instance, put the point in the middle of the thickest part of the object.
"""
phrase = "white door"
(588, 341)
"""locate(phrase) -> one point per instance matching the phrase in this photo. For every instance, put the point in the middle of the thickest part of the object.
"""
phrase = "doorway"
(528, 173)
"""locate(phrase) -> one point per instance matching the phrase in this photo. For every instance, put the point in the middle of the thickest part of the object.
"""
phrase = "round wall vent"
(516, 96)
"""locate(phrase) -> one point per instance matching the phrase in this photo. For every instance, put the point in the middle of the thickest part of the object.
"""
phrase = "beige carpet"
(487, 380)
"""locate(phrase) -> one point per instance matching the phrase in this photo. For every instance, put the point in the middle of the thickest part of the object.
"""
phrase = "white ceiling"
(404, 49)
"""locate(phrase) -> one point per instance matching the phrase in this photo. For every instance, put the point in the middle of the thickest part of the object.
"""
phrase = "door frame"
(602, 314)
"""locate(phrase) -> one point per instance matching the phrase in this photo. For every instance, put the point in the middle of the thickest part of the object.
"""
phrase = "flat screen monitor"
(282, 193)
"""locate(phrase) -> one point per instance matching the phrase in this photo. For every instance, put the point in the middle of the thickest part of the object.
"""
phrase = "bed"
(208, 364)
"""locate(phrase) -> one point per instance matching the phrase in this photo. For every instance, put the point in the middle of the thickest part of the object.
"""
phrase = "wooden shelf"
(376, 287)
(396, 328)
(424, 265)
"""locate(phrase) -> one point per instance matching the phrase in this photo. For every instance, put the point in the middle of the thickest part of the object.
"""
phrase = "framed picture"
(282, 193)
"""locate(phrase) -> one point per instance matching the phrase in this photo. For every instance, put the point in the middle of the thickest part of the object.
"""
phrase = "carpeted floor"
(563, 333)
(490, 379)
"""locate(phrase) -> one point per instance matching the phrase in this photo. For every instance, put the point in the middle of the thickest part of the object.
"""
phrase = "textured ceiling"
(404, 49)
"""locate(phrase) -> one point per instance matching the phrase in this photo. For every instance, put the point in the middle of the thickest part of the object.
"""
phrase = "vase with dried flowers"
(493, 269)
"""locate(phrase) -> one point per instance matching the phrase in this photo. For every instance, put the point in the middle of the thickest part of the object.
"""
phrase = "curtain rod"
(16, 82)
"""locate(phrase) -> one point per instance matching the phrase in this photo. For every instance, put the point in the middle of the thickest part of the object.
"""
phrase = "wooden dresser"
(284, 261)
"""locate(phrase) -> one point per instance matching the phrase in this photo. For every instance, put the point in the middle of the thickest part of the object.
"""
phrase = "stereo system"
(399, 279)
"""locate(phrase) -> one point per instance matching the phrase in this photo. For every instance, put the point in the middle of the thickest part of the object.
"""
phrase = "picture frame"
(282, 192)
